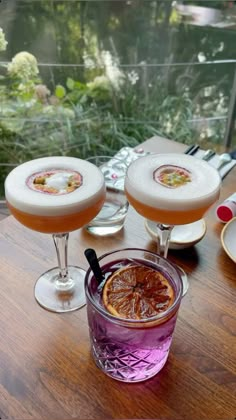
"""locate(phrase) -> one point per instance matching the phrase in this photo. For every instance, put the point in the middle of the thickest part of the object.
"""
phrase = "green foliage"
(85, 120)
(60, 92)
(81, 112)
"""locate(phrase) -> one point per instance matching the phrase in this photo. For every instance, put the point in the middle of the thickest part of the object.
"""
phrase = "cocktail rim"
(134, 322)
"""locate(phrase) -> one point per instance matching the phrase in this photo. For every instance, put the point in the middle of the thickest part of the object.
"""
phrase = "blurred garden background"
(80, 78)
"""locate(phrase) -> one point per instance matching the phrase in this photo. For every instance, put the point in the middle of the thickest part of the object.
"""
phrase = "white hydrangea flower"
(24, 66)
(3, 42)
(133, 77)
(89, 62)
(168, 127)
(209, 132)
(99, 82)
(112, 70)
(201, 57)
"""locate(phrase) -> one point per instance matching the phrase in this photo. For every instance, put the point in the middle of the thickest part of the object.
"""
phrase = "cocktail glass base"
(54, 295)
(104, 230)
(184, 278)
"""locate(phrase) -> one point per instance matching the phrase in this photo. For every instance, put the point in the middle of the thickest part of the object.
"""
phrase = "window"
(85, 77)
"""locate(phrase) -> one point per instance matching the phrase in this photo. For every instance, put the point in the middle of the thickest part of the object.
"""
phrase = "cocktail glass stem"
(63, 282)
(61, 289)
(163, 240)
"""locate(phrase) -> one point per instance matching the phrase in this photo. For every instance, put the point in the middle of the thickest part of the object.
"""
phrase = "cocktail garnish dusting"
(55, 182)
(172, 176)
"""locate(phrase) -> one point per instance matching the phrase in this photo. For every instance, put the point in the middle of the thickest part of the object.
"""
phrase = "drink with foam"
(55, 194)
(172, 188)
(132, 315)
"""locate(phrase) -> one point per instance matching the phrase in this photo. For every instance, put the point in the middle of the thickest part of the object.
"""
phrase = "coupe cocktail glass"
(132, 350)
(57, 195)
(171, 189)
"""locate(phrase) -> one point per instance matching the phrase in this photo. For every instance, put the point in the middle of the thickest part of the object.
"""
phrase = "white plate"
(182, 236)
(228, 239)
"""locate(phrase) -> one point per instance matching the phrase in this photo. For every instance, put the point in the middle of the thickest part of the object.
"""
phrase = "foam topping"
(173, 181)
(68, 184)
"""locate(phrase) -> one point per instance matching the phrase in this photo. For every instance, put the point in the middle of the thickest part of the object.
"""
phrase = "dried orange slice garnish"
(137, 292)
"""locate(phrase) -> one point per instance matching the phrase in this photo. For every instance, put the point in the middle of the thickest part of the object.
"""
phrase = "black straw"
(92, 259)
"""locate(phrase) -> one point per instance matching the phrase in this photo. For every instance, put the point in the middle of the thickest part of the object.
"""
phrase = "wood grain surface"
(46, 369)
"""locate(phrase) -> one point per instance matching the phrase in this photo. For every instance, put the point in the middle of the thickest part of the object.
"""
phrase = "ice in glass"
(132, 314)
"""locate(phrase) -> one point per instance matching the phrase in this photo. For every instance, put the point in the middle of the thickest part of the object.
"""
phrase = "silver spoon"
(223, 160)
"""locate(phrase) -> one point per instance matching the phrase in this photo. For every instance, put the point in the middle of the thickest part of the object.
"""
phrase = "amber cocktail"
(56, 195)
(171, 189)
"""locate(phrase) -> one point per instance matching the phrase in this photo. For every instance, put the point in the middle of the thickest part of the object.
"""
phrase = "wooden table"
(46, 370)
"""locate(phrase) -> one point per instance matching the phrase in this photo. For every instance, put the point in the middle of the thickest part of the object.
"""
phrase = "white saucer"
(228, 240)
(182, 236)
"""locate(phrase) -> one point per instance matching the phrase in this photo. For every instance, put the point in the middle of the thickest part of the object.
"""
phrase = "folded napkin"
(129, 154)
(215, 161)
(115, 171)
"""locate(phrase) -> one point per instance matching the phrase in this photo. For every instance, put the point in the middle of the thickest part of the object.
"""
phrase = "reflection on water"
(113, 73)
